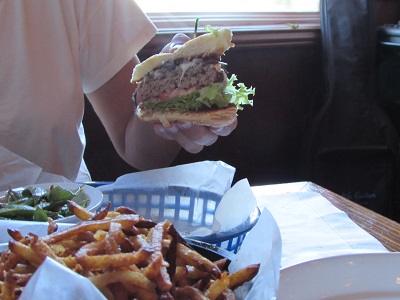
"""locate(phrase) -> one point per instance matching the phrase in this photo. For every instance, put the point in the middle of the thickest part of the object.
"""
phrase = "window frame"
(258, 29)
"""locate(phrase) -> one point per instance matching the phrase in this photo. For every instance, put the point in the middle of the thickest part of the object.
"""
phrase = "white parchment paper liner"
(212, 176)
(263, 245)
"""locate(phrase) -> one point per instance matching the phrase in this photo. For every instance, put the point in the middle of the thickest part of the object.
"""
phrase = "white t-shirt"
(53, 51)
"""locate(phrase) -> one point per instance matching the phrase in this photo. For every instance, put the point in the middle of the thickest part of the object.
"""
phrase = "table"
(385, 230)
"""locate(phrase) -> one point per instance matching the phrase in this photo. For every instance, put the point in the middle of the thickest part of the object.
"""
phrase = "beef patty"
(181, 74)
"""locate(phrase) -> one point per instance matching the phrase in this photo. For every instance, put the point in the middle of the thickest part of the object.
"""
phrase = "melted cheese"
(185, 66)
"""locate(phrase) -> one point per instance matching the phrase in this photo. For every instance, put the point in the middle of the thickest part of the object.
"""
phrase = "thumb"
(177, 41)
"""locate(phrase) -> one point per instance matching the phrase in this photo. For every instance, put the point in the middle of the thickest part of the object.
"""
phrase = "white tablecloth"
(312, 227)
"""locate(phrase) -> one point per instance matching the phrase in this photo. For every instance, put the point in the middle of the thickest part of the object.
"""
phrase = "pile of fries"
(124, 255)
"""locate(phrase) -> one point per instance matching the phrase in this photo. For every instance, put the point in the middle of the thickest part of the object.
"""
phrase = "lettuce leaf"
(210, 29)
(240, 93)
(208, 97)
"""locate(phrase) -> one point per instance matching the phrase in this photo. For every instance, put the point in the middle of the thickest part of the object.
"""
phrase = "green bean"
(36, 194)
(34, 191)
(16, 210)
(24, 201)
(58, 197)
(39, 215)
(13, 195)
(59, 193)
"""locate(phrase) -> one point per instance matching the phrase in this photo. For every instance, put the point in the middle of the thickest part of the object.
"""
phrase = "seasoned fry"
(53, 226)
(125, 220)
(9, 286)
(15, 234)
(79, 211)
(125, 210)
(102, 213)
(157, 268)
(22, 279)
(243, 275)
(125, 256)
(181, 276)
(9, 261)
(217, 287)
(25, 252)
(101, 262)
(133, 280)
(192, 258)
(188, 292)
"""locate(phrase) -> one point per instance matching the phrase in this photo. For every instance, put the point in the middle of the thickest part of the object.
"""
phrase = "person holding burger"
(53, 53)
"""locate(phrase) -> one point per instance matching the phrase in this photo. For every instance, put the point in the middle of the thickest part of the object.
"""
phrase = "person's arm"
(135, 141)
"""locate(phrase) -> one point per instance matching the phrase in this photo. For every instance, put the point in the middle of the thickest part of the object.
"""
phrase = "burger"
(190, 84)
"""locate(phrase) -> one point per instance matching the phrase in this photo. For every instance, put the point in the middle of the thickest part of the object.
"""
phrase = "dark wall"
(387, 11)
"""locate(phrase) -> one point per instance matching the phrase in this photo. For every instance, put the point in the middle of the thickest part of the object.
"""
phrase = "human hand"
(192, 137)
(177, 41)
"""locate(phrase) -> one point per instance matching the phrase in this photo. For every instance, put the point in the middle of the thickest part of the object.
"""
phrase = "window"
(162, 6)
(257, 23)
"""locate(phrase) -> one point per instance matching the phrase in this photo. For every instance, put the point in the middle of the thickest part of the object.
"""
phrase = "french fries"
(125, 256)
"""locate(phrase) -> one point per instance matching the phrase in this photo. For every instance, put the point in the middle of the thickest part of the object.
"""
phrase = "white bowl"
(94, 195)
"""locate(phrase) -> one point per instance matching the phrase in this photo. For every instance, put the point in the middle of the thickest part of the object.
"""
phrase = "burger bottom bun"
(218, 117)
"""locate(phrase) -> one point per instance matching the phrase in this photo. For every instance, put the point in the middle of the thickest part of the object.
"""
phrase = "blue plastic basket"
(177, 205)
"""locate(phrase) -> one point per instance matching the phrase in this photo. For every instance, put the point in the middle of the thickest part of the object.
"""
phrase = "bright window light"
(163, 6)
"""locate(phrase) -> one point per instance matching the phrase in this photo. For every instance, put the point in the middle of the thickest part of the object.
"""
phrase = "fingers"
(226, 130)
(177, 41)
(201, 135)
(191, 137)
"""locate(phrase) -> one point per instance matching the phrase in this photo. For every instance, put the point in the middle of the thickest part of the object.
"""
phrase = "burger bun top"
(212, 43)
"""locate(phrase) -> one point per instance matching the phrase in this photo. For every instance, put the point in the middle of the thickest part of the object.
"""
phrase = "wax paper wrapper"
(213, 176)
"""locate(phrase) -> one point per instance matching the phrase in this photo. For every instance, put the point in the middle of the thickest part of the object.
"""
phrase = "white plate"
(94, 195)
(353, 276)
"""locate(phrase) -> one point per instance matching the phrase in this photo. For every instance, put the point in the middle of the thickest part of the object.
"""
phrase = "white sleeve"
(109, 39)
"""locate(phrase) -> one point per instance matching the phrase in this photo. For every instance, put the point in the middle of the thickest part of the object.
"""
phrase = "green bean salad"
(35, 203)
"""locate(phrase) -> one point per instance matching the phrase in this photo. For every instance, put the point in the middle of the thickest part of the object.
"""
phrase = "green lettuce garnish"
(208, 97)
(209, 28)
(240, 93)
